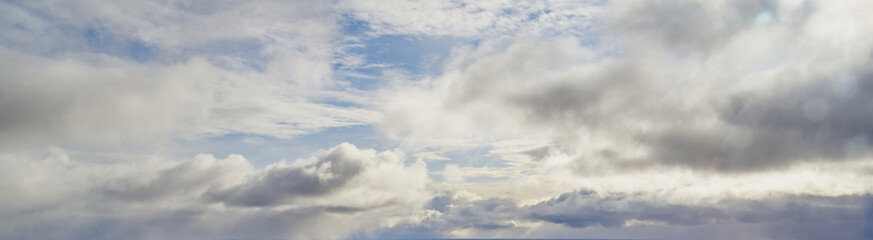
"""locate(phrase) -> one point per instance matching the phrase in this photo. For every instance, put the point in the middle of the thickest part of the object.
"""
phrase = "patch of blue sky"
(49, 37)
(351, 26)
(336, 102)
(362, 78)
(102, 41)
(414, 55)
(263, 150)
(537, 14)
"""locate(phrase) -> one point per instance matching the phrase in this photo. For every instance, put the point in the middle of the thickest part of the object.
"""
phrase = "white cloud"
(153, 197)
(453, 174)
(69, 101)
(210, 68)
(707, 103)
(679, 116)
(665, 104)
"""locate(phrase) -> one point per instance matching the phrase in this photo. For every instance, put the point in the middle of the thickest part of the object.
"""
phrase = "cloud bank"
(343, 190)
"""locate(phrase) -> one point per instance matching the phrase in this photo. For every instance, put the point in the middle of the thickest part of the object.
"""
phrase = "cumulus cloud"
(205, 197)
(679, 92)
(343, 168)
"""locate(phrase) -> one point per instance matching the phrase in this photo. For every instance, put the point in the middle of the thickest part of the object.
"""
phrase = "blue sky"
(402, 119)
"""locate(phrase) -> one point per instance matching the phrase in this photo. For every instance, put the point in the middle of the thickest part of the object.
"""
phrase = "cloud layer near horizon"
(343, 190)
(677, 119)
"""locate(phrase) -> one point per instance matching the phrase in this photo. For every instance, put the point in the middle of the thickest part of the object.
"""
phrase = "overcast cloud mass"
(400, 119)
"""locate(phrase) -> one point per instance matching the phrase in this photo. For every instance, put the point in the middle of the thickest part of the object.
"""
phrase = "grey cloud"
(48, 101)
(485, 214)
(580, 99)
(825, 119)
(783, 217)
(492, 213)
(778, 217)
(146, 72)
(57, 196)
(585, 209)
(193, 176)
(277, 184)
(686, 26)
(688, 110)
(806, 217)
(53, 101)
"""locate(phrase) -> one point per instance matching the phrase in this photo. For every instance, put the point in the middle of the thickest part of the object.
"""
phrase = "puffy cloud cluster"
(344, 190)
(717, 85)
(692, 119)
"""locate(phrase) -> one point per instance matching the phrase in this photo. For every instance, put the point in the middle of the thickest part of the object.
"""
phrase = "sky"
(401, 119)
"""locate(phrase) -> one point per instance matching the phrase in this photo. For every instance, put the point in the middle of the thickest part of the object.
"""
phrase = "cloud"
(151, 197)
(165, 71)
(45, 100)
(778, 217)
(339, 168)
(616, 211)
(681, 119)
(664, 94)
(783, 217)
(810, 121)
(70, 101)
